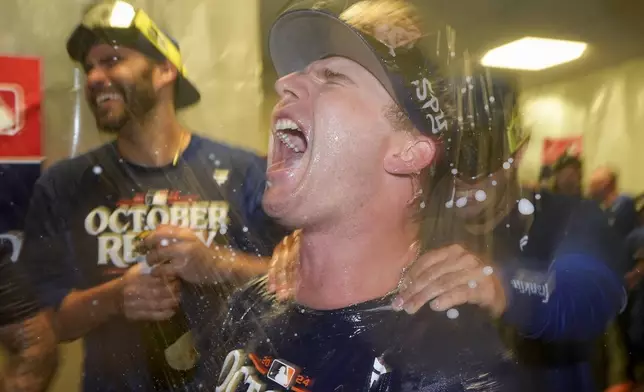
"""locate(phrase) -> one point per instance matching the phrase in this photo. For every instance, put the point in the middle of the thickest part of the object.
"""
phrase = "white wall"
(606, 107)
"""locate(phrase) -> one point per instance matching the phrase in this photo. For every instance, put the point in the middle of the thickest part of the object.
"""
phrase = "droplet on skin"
(452, 314)
(480, 195)
(506, 165)
(526, 207)
(472, 284)
(97, 170)
(164, 242)
(462, 202)
(487, 270)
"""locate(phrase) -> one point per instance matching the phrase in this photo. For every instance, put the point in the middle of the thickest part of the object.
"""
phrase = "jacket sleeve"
(583, 288)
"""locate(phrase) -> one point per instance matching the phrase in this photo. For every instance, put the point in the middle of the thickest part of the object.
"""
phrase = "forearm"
(574, 300)
(34, 355)
(235, 265)
(83, 311)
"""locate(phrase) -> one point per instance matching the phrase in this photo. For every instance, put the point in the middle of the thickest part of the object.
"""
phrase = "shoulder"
(252, 296)
(570, 209)
(438, 349)
(224, 152)
(66, 173)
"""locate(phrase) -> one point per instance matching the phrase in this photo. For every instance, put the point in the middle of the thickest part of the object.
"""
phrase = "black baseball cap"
(117, 22)
(300, 37)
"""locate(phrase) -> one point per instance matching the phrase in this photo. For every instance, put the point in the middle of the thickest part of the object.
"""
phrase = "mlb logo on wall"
(20, 109)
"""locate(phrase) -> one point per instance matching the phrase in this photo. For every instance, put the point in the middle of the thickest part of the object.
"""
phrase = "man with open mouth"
(157, 187)
(357, 148)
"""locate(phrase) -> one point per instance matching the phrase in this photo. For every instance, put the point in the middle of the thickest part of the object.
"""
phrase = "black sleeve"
(17, 301)
(44, 257)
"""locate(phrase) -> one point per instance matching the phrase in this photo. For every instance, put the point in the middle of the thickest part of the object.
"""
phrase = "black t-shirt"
(260, 343)
(86, 212)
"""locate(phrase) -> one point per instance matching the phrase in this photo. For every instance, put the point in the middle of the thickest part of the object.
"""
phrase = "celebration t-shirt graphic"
(116, 228)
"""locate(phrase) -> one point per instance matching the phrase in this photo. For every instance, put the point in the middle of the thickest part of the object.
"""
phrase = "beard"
(139, 98)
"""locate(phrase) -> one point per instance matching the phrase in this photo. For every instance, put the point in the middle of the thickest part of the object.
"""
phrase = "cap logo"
(426, 96)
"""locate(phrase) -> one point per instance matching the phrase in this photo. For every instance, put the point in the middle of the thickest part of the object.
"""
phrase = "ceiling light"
(533, 54)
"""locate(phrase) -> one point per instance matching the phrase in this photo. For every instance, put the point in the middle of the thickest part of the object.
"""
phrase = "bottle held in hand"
(169, 345)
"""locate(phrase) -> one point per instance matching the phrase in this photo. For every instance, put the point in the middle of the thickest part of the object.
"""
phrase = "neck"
(156, 140)
(610, 199)
(354, 262)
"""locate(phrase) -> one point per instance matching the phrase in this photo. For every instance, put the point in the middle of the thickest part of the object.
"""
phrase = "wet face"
(120, 86)
(329, 139)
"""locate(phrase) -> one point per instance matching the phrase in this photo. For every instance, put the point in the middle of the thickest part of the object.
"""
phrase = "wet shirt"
(261, 345)
(87, 211)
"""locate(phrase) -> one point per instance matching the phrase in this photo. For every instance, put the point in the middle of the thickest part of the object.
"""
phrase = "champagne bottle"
(169, 349)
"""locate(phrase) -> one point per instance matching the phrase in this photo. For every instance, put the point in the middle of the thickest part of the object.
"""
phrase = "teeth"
(105, 97)
(286, 124)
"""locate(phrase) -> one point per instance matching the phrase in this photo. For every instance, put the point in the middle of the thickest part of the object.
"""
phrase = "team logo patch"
(221, 176)
(282, 373)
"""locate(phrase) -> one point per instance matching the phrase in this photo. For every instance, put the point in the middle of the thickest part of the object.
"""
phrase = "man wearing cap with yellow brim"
(196, 199)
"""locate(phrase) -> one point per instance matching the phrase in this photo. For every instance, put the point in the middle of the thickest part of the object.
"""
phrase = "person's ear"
(165, 74)
(411, 156)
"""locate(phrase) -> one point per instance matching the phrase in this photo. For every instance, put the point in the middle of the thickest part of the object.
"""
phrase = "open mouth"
(289, 148)
(104, 98)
